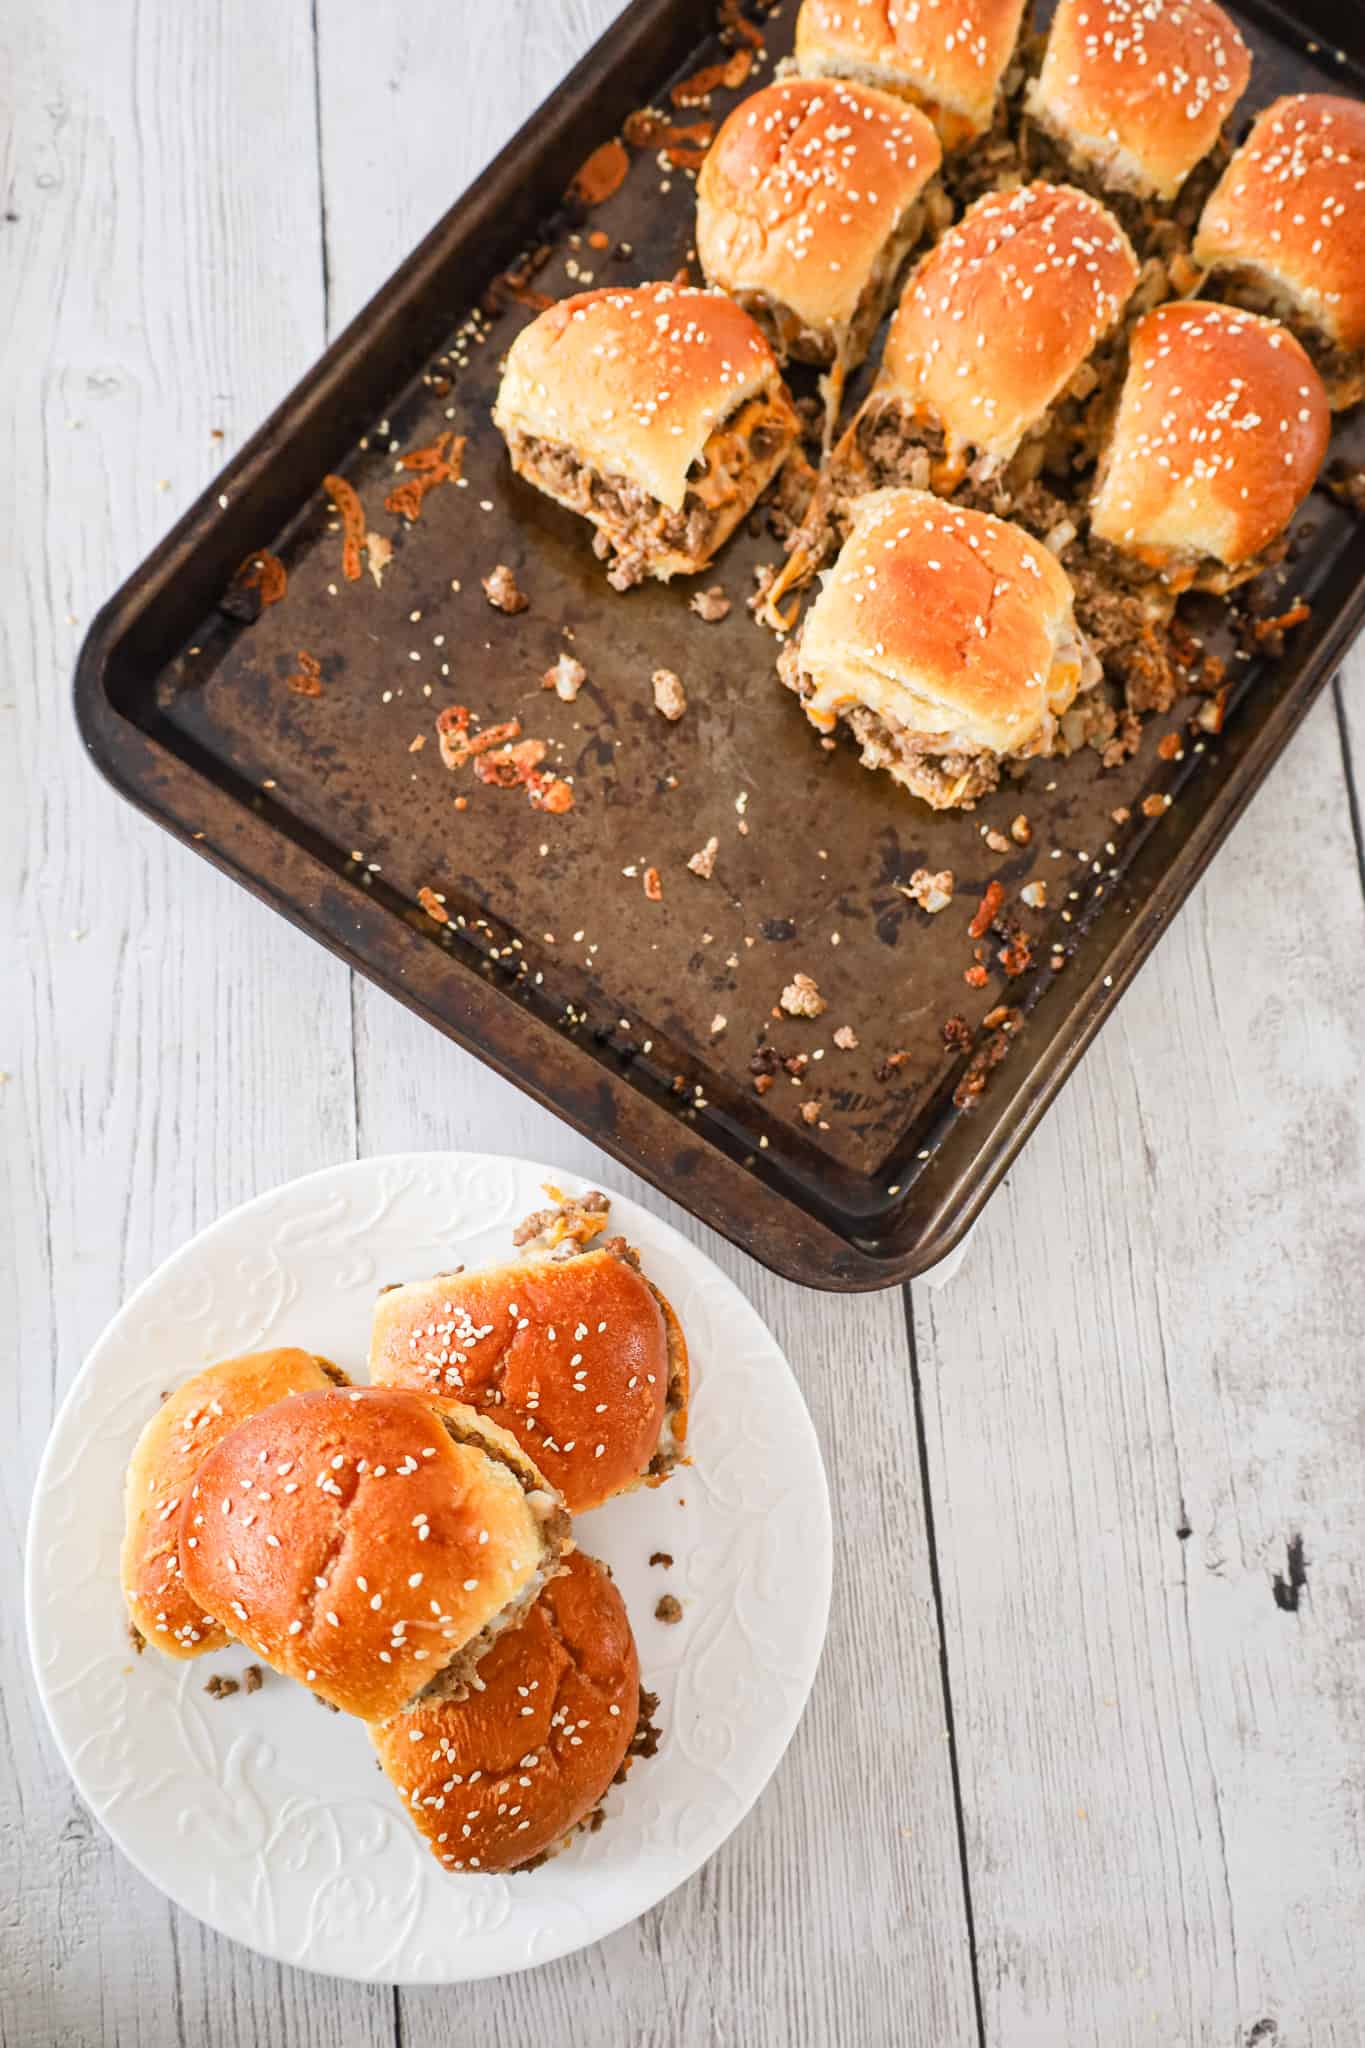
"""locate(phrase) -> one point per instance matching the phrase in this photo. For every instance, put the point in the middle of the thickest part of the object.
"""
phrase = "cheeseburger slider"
(944, 639)
(504, 1777)
(369, 1543)
(808, 203)
(580, 1359)
(1133, 94)
(1284, 232)
(189, 1424)
(997, 366)
(659, 413)
(947, 56)
(1220, 433)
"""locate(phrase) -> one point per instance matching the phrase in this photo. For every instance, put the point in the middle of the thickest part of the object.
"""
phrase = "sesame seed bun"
(1139, 89)
(1003, 311)
(1221, 428)
(1288, 210)
(502, 1777)
(189, 1424)
(802, 193)
(634, 381)
(367, 1542)
(579, 1359)
(944, 621)
(947, 56)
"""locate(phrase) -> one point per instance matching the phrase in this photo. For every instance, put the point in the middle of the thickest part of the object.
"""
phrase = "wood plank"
(836, 1913)
(173, 1048)
(1142, 1395)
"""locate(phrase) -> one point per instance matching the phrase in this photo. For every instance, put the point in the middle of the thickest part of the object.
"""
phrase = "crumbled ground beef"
(711, 605)
(500, 588)
(253, 1678)
(846, 1038)
(663, 1557)
(703, 862)
(573, 1219)
(220, 1688)
(669, 1609)
(566, 678)
(801, 998)
(957, 1034)
(670, 698)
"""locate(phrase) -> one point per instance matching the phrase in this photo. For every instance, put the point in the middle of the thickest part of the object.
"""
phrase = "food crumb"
(846, 1038)
(810, 1112)
(802, 998)
(663, 1557)
(306, 679)
(933, 892)
(135, 1635)
(704, 862)
(670, 698)
(718, 1024)
(220, 1688)
(1021, 832)
(416, 744)
(1154, 805)
(566, 678)
(997, 842)
(654, 887)
(668, 1610)
(253, 1678)
(711, 605)
(1034, 894)
(433, 906)
(501, 589)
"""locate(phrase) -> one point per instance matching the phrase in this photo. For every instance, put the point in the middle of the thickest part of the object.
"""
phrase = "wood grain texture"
(836, 1913)
(172, 1048)
(1143, 1398)
(1156, 1330)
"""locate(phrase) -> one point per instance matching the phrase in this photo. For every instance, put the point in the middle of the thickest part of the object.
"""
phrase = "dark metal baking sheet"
(556, 968)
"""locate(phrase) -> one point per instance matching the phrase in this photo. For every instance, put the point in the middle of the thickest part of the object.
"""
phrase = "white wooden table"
(1076, 1770)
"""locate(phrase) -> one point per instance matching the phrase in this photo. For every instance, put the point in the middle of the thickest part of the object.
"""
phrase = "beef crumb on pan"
(501, 589)
(669, 1609)
(670, 698)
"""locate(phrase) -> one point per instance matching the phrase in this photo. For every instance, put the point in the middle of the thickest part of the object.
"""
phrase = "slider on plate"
(1284, 232)
(949, 57)
(166, 1459)
(999, 366)
(1221, 430)
(945, 641)
(369, 1543)
(658, 413)
(809, 201)
(579, 1358)
(506, 1776)
(1132, 96)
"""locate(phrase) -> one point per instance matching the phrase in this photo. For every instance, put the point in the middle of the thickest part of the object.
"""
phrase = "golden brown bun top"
(949, 620)
(162, 1469)
(1140, 88)
(1221, 429)
(1291, 205)
(802, 188)
(635, 380)
(1002, 312)
(572, 1356)
(352, 1543)
(948, 56)
(503, 1774)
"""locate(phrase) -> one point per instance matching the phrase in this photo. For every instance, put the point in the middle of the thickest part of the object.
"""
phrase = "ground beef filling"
(1342, 370)
(944, 776)
(1156, 228)
(635, 530)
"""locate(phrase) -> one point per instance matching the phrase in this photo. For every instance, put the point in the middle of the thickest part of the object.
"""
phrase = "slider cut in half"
(507, 1775)
(369, 1543)
(807, 205)
(189, 1424)
(1284, 233)
(1220, 433)
(992, 342)
(945, 640)
(659, 413)
(1134, 93)
(999, 365)
(579, 1358)
(947, 56)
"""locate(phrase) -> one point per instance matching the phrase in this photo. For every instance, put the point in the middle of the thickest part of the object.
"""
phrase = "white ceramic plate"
(265, 1815)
